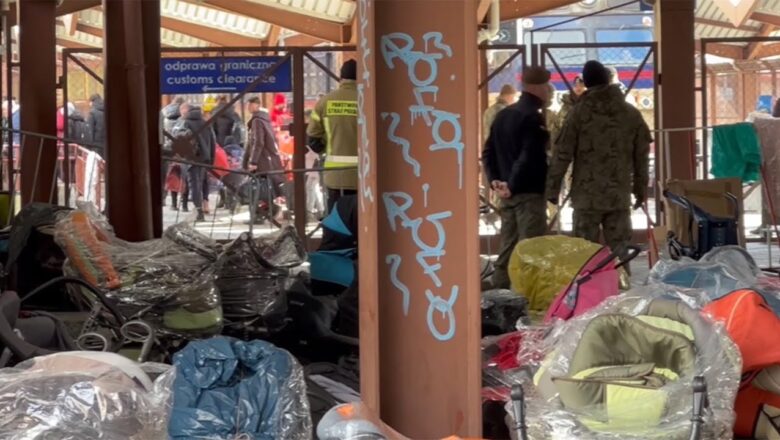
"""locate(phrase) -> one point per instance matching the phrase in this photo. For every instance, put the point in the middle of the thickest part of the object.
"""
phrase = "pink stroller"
(596, 281)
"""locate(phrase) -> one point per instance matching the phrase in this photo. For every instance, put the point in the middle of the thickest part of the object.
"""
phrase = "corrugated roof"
(94, 18)
(340, 11)
(214, 18)
(708, 10)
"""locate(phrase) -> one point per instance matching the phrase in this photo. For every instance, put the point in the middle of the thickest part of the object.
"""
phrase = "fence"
(80, 177)
(732, 89)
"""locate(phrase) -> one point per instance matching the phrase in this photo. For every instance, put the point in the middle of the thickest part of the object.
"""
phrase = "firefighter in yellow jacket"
(332, 130)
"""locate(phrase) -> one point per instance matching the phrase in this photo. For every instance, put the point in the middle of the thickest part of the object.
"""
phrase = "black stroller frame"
(712, 231)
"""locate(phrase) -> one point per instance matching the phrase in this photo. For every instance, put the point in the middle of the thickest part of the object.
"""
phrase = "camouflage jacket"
(609, 143)
(490, 116)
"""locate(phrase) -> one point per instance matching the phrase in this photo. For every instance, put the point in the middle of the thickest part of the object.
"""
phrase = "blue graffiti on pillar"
(426, 251)
(452, 144)
(446, 308)
(400, 46)
(395, 262)
(403, 143)
(426, 187)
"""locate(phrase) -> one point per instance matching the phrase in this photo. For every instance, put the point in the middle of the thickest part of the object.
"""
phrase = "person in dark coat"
(262, 154)
(97, 120)
(776, 110)
(515, 161)
(205, 146)
(228, 123)
(171, 171)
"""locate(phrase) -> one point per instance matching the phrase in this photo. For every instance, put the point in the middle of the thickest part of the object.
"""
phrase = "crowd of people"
(227, 147)
(529, 150)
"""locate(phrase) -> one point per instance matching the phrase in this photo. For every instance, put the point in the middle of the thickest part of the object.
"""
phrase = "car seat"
(628, 371)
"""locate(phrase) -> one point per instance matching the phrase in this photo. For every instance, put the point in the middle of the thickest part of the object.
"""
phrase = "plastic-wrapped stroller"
(168, 284)
(719, 272)
(253, 272)
(552, 270)
(705, 231)
(639, 366)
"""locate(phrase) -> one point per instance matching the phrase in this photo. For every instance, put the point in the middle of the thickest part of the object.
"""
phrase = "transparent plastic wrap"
(83, 396)
(185, 236)
(253, 272)
(510, 359)
(719, 272)
(501, 310)
(625, 370)
(161, 281)
(354, 421)
(541, 267)
(230, 389)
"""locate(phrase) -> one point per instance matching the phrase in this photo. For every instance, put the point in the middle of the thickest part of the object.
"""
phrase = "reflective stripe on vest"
(340, 161)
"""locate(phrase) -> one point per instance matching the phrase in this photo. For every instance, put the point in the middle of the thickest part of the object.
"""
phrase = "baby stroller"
(167, 284)
(542, 268)
(709, 232)
(629, 369)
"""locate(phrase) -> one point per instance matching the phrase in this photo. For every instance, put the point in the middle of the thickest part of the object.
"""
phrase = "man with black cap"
(515, 161)
(332, 130)
(608, 142)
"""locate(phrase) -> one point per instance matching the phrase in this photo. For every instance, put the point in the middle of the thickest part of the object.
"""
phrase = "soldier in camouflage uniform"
(608, 142)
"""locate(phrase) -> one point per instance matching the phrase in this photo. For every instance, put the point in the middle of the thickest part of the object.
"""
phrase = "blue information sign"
(223, 75)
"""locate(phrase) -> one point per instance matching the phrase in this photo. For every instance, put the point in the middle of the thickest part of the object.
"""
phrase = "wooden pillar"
(38, 98)
(419, 245)
(131, 139)
(151, 31)
(675, 33)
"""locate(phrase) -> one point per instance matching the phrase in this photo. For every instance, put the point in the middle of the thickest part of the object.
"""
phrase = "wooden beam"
(286, 18)
(482, 10)
(208, 33)
(301, 40)
(737, 14)
(513, 9)
(70, 22)
(768, 50)
(65, 8)
(70, 44)
(752, 49)
(723, 50)
(765, 18)
(272, 39)
(89, 29)
(725, 25)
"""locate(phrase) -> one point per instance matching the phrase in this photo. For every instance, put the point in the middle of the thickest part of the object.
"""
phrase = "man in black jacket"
(97, 120)
(515, 163)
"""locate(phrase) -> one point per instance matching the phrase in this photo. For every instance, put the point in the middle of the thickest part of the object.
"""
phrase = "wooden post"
(419, 244)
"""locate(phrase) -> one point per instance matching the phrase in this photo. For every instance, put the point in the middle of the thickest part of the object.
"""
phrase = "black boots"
(175, 201)
(200, 217)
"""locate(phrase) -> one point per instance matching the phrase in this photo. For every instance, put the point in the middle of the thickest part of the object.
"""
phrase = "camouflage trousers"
(522, 216)
(616, 226)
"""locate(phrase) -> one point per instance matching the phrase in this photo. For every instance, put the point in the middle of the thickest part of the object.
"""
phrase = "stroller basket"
(711, 231)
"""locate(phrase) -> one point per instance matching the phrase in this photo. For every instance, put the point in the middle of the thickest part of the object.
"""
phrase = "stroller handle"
(632, 252)
(101, 297)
